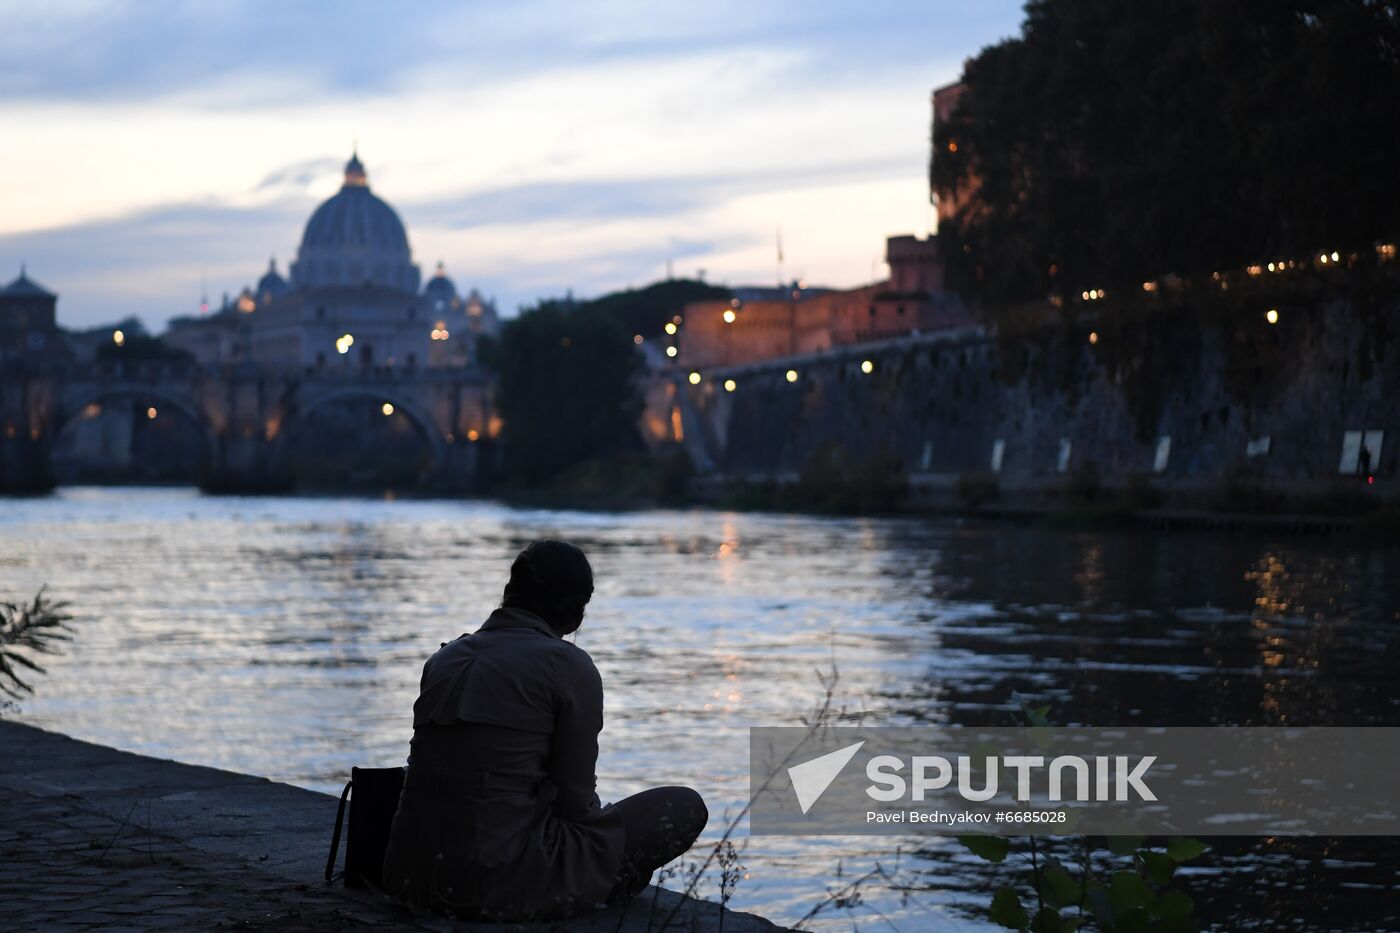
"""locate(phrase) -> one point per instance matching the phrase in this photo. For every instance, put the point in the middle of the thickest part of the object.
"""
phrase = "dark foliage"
(25, 632)
(567, 390)
(646, 310)
(1116, 141)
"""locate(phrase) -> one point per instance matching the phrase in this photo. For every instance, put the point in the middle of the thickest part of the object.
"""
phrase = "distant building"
(28, 330)
(352, 300)
(912, 300)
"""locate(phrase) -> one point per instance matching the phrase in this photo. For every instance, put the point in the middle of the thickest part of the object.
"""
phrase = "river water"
(285, 636)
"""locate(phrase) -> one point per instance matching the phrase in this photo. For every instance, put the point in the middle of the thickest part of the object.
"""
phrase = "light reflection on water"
(284, 637)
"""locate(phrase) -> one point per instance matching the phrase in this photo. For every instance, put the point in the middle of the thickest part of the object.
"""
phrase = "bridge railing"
(168, 370)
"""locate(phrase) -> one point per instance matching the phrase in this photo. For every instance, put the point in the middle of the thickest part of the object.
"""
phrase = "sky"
(153, 150)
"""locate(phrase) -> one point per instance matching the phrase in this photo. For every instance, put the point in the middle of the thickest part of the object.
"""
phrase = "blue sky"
(532, 146)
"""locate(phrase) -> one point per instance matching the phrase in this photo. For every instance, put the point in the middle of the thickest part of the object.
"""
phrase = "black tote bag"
(373, 795)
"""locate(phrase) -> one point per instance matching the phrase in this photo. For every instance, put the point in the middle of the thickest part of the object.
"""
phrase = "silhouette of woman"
(499, 818)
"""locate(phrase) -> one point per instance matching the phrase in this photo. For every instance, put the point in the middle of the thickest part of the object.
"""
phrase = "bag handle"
(335, 835)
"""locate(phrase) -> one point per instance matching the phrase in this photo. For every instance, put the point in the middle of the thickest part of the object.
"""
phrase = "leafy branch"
(27, 631)
(1133, 898)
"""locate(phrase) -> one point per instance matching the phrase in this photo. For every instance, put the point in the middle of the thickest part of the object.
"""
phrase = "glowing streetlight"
(695, 379)
(387, 408)
(637, 339)
(344, 343)
(729, 315)
(670, 327)
(867, 366)
(1093, 337)
(151, 414)
(118, 337)
(473, 435)
(671, 352)
(1271, 315)
(791, 375)
(730, 385)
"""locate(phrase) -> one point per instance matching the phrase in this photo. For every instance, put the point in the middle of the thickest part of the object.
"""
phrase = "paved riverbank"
(95, 838)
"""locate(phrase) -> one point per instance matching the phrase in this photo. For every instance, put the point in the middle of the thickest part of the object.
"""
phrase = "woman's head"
(553, 580)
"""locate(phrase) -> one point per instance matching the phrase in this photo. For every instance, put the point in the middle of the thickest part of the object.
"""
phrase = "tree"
(1115, 141)
(646, 310)
(567, 390)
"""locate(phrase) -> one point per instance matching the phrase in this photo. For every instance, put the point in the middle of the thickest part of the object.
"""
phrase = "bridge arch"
(300, 408)
(74, 403)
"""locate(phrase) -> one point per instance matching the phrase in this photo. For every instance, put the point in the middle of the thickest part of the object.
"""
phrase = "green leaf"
(1047, 920)
(1007, 910)
(1157, 868)
(1041, 736)
(1174, 905)
(1136, 920)
(991, 848)
(1127, 891)
(1057, 886)
(1124, 845)
(1099, 905)
(1182, 849)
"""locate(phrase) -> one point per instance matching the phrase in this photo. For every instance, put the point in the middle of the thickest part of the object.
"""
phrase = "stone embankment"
(95, 838)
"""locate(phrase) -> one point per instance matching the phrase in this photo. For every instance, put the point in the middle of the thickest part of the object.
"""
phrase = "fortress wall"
(941, 403)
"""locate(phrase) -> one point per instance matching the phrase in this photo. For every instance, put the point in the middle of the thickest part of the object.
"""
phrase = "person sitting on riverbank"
(499, 818)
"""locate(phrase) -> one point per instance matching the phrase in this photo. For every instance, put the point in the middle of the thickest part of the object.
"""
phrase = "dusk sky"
(533, 147)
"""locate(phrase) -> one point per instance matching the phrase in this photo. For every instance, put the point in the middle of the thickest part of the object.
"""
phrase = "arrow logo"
(811, 778)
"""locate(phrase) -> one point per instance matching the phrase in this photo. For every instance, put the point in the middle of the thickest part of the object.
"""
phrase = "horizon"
(136, 189)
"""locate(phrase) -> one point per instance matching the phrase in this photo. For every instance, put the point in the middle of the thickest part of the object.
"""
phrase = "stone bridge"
(248, 416)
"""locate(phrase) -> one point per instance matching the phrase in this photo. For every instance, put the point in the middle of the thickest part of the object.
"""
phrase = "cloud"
(534, 146)
(111, 49)
(297, 176)
(599, 199)
(150, 263)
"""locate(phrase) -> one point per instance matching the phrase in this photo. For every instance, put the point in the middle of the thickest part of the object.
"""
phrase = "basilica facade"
(352, 300)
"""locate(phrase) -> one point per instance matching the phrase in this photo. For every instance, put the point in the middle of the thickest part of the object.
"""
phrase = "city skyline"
(534, 152)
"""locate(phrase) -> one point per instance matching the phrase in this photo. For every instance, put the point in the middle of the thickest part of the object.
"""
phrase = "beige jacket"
(499, 817)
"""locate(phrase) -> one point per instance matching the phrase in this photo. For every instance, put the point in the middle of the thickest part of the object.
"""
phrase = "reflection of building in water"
(352, 300)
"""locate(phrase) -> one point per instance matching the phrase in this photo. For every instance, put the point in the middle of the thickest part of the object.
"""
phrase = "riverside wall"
(1188, 407)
